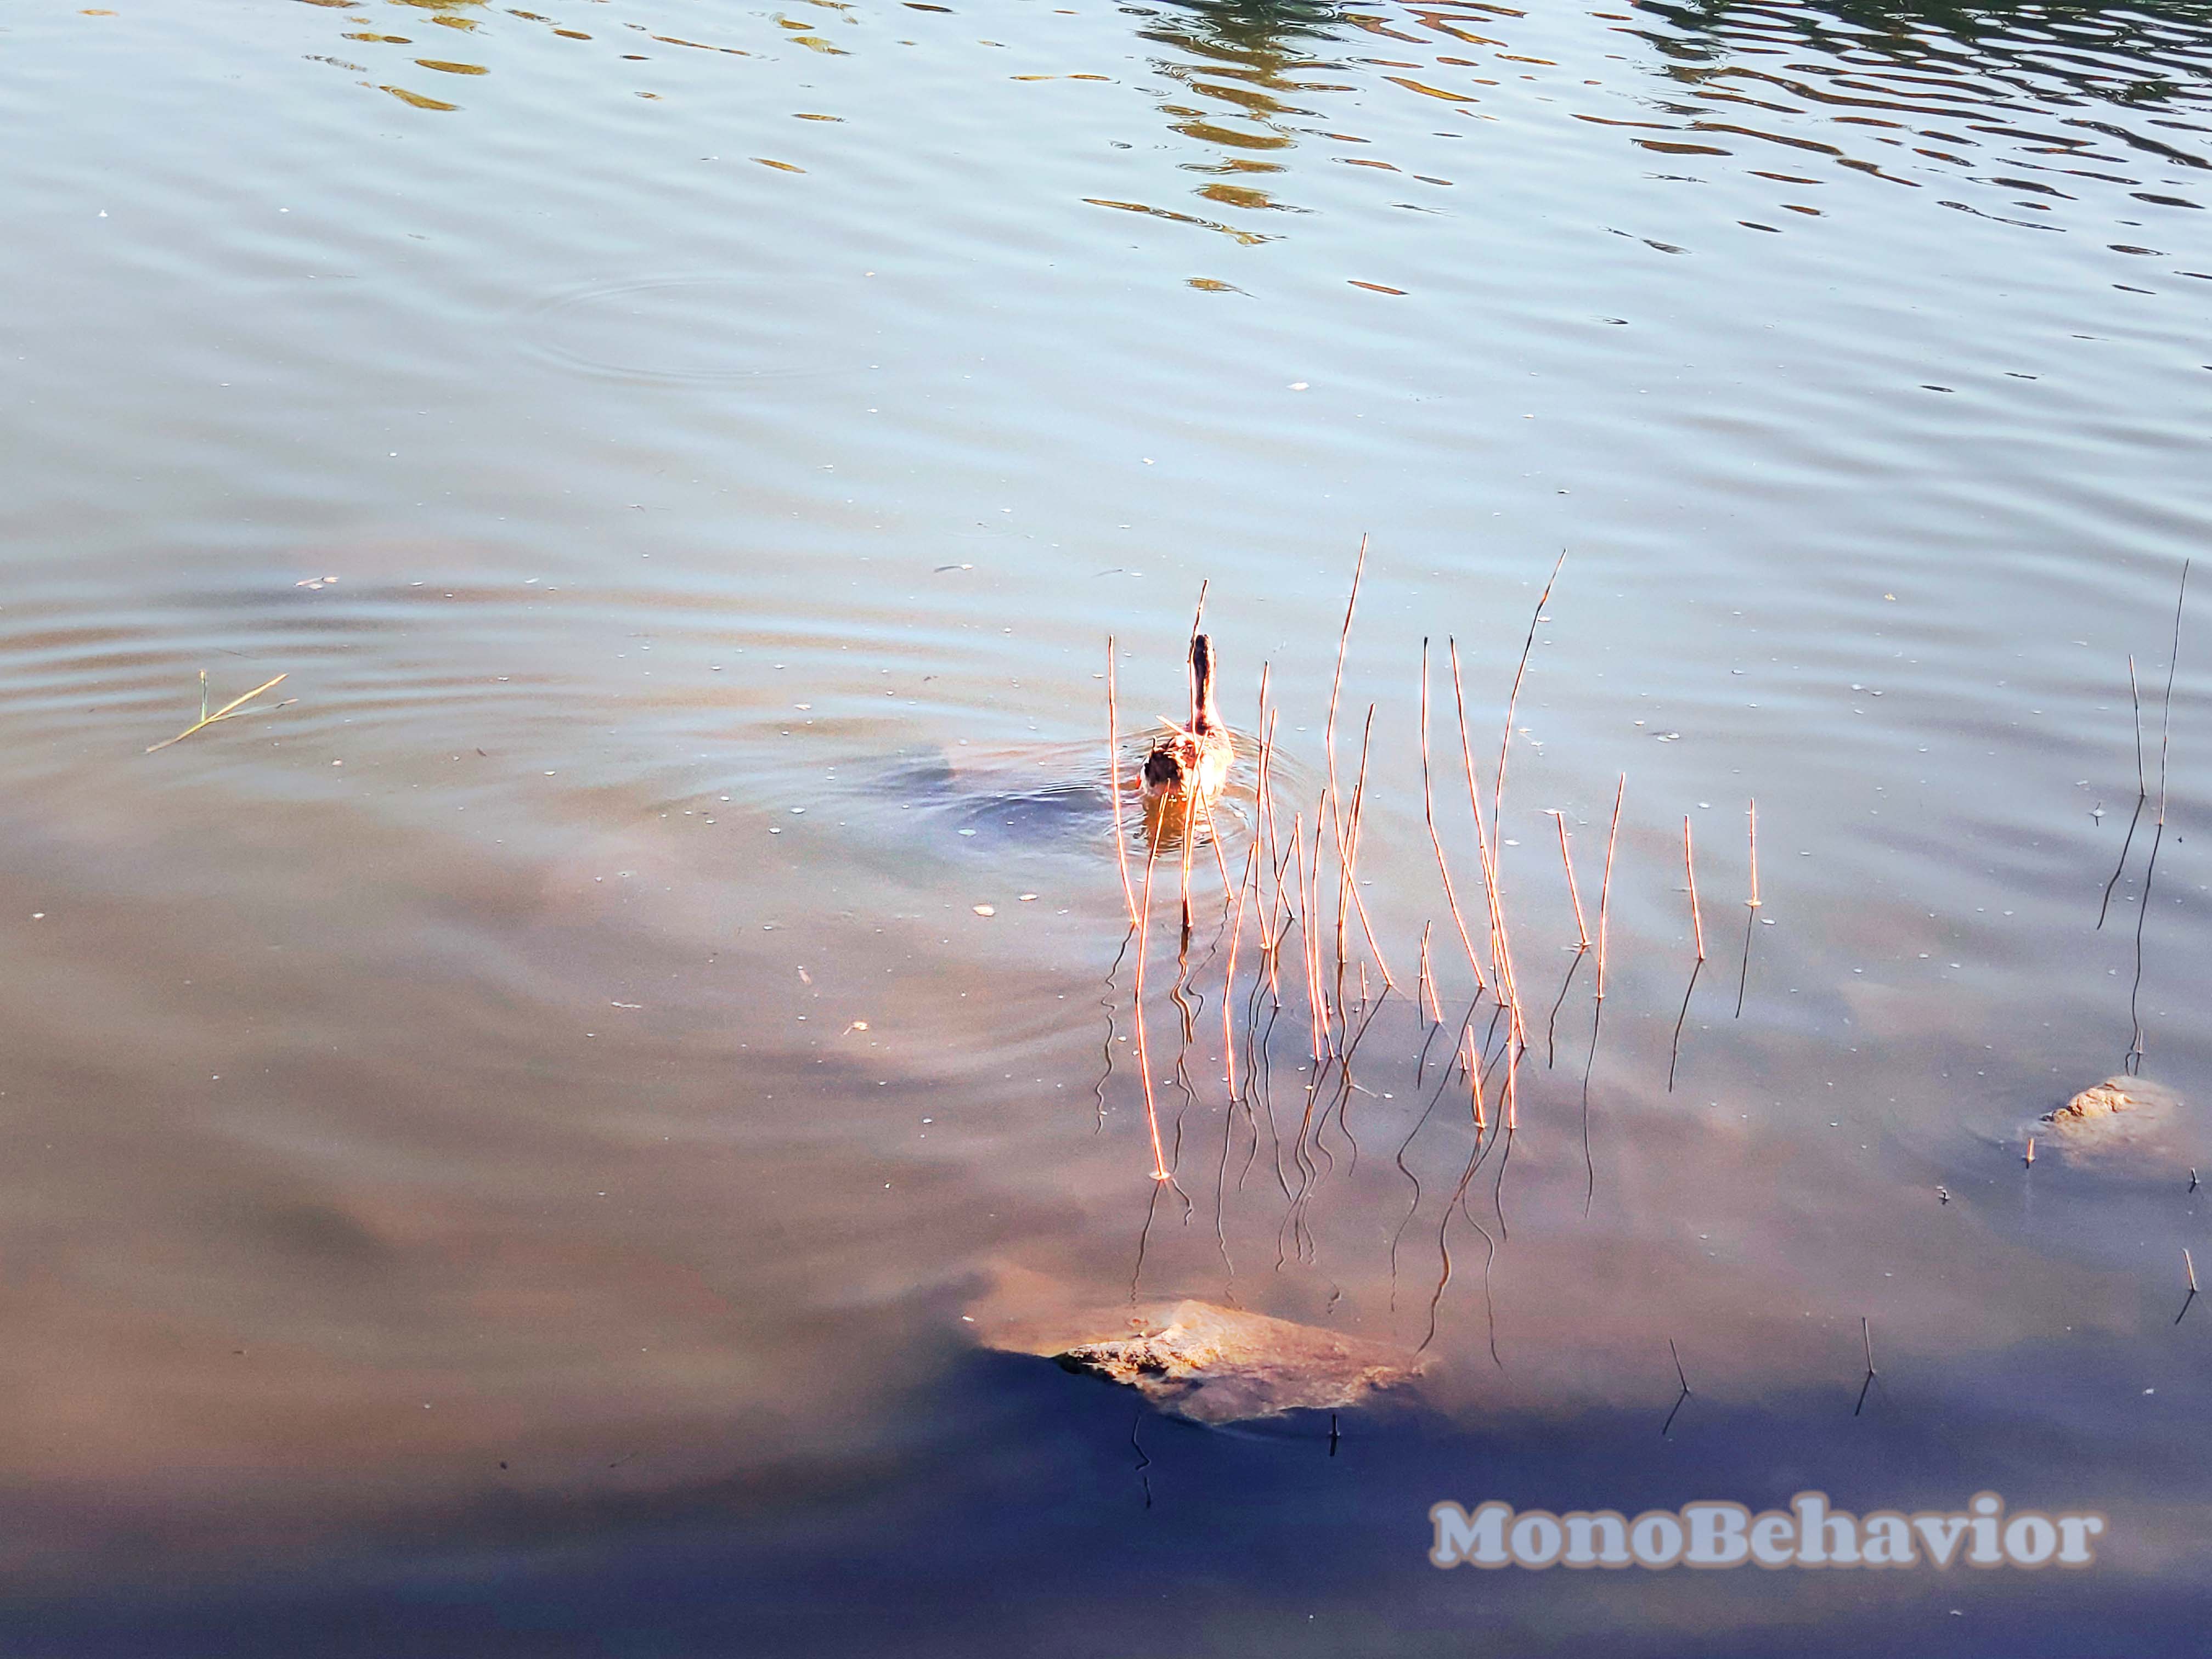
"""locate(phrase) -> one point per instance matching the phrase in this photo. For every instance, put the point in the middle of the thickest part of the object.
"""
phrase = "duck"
(1189, 764)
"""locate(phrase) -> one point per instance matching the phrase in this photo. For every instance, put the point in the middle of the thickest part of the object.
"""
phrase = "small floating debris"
(230, 711)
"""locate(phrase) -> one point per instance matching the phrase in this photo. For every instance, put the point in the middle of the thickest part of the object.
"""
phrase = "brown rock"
(2098, 1099)
(2122, 1123)
(1214, 1365)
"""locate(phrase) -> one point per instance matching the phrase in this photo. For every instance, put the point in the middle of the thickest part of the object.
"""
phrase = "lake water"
(524, 1146)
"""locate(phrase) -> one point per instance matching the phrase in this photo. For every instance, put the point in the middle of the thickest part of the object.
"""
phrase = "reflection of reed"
(2157, 833)
(1935, 89)
(1236, 61)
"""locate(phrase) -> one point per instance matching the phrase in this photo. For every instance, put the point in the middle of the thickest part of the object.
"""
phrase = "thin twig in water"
(1681, 1376)
(1866, 1331)
(2143, 795)
(2188, 1262)
(229, 711)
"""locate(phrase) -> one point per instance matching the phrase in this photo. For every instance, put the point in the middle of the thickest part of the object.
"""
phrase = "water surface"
(505, 1150)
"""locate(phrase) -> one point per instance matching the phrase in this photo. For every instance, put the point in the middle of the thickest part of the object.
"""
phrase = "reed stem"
(1690, 867)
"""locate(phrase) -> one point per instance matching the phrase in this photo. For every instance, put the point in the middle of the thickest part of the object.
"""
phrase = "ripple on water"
(709, 327)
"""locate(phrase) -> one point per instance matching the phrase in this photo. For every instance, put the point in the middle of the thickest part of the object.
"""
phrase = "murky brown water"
(502, 1151)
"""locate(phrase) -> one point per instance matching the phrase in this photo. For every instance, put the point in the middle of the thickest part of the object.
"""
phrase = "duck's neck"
(1204, 716)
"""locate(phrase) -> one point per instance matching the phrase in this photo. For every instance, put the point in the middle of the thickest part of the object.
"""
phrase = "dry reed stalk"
(1347, 828)
(1574, 894)
(1324, 1015)
(1143, 1058)
(1280, 920)
(1470, 1062)
(1429, 1002)
(1429, 809)
(1287, 919)
(1751, 904)
(1516, 1030)
(1504, 743)
(1250, 879)
(1343, 890)
(1336, 685)
(1516, 1023)
(1501, 957)
(1271, 930)
(1512, 1082)
(1689, 866)
(1220, 864)
(1605, 886)
(1114, 771)
(1263, 831)
(1349, 871)
(2135, 701)
(1751, 817)
(1297, 856)
(2190, 1262)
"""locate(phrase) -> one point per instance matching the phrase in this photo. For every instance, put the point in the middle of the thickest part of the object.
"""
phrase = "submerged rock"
(1214, 1365)
(2098, 1099)
(2123, 1117)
